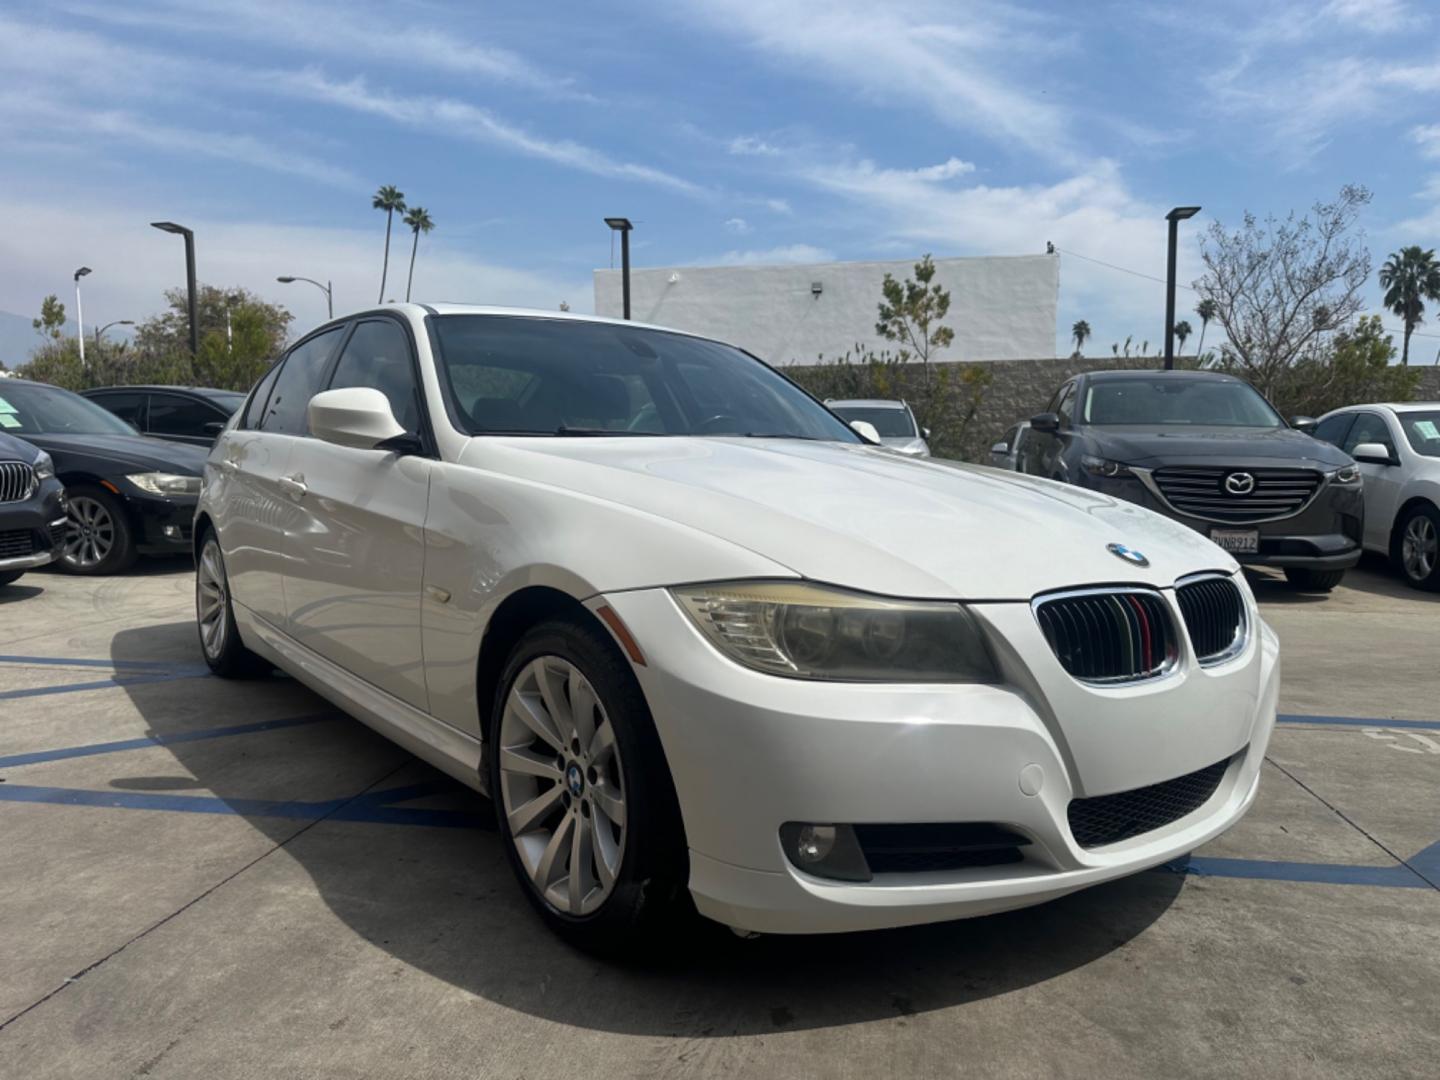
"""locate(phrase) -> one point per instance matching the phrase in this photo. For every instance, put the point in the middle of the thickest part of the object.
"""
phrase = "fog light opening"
(172, 532)
(828, 851)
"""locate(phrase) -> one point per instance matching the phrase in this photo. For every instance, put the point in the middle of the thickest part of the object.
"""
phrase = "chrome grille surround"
(1216, 616)
(17, 481)
(1111, 635)
(1198, 491)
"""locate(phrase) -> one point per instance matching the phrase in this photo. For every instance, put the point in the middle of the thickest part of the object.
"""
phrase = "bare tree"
(1280, 284)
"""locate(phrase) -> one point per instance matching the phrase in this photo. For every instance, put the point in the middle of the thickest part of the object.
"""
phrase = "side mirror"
(212, 427)
(1045, 421)
(358, 417)
(866, 431)
(1372, 453)
(1001, 448)
(925, 433)
(1307, 424)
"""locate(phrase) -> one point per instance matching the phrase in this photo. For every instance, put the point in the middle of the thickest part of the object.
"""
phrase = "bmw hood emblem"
(1130, 555)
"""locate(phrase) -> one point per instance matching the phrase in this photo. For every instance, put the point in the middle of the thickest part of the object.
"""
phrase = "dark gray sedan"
(1208, 450)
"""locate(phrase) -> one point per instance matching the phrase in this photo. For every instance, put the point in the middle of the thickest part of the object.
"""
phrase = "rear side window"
(256, 408)
(1332, 429)
(172, 414)
(378, 355)
(298, 382)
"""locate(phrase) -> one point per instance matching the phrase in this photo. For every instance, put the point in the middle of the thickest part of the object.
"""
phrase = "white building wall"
(1001, 307)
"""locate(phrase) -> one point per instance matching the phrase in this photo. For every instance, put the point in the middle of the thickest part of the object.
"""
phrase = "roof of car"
(1393, 406)
(1129, 372)
(165, 386)
(866, 403)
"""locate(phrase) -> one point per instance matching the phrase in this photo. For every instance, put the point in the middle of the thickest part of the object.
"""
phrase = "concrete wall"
(1001, 308)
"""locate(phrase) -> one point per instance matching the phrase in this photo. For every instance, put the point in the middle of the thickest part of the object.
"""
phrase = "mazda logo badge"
(1239, 483)
(1130, 555)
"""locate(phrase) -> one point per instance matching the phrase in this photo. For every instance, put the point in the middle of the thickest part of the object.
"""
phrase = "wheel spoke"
(580, 878)
(602, 744)
(582, 707)
(610, 802)
(526, 817)
(515, 759)
(553, 694)
(530, 713)
(551, 862)
(607, 855)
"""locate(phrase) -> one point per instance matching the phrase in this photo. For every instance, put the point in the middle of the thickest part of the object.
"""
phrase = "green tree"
(1080, 333)
(418, 218)
(1182, 331)
(239, 335)
(51, 323)
(911, 313)
(1206, 310)
(390, 199)
(1358, 365)
(1410, 277)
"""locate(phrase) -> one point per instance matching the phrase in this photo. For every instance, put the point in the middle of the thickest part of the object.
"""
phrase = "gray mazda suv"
(1208, 450)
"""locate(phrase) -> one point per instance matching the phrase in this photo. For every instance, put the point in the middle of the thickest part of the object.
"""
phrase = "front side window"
(530, 376)
(1143, 399)
(1067, 405)
(1333, 428)
(378, 356)
(298, 382)
(1369, 428)
(890, 423)
(32, 409)
(1422, 431)
(172, 414)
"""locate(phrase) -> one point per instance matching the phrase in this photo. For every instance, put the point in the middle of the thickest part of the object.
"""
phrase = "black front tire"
(1415, 575)
(1307, 580)
(225, 653)
(649, 901)
(120, 555)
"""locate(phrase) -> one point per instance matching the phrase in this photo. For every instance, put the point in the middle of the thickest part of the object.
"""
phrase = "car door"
(182, 418)
(1382, 482)
(258, 513)
(1045, 449)
(128, 405)
(357, 561)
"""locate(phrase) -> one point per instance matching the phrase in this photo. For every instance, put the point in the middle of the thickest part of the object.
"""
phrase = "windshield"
(1423, 431)
(32, 409)
(532, 376)
(890, 423)
(1201, 402)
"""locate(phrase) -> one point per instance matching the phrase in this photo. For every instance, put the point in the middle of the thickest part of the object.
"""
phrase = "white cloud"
(1427, 138)
(752, 146)
(789, 253)
(1374, 16)
(737, 225)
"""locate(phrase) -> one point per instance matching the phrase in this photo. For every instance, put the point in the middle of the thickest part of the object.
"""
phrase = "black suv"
(32, 506)
(1208, 450)
(188, 414)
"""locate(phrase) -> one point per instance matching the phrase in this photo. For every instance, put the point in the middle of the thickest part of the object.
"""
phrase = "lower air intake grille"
(16, 543)
(1109, 819)
(1109, 636)
(922, 848)
(1214, 614)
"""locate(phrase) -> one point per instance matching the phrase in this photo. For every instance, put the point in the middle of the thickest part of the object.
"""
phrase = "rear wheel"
(1415, 547)
(583, 795)
(98, 540)
(215, 618)
(1308, 580)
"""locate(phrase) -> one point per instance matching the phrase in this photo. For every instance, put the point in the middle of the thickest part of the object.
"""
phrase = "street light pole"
(189, 235)
(326, 289)
(623, 227)
(113, 322)
(80, 312)
(1174, 217)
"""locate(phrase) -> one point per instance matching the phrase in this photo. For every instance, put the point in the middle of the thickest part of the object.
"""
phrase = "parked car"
(1009, 452)
(187, 414)
(32, 502)
(126, 495)
(894, 421)
(1398, 451)
(740, 651)
(1208, 450)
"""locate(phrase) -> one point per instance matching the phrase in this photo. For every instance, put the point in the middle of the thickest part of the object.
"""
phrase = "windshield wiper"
(585, 432)
(780, 435)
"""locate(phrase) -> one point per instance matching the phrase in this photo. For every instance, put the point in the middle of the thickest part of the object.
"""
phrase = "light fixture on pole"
(113, 322)
(1174, 217)
(329, 298)
(623, 227)
(181, 230)
(80, 312)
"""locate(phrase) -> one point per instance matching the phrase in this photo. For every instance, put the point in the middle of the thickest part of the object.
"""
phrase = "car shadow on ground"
(20, 590)
(145, 566)
(443, 901)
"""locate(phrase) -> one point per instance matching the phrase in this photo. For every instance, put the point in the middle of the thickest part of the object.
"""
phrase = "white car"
(1398, 450)
(893, 421)
(689, 631)
(1009, 452)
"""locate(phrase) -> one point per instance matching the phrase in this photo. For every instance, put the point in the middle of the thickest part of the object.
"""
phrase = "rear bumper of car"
(751, 752)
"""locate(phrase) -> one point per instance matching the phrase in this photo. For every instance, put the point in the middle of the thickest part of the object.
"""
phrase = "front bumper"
(163, 525)
(750, 752)
(32, 533)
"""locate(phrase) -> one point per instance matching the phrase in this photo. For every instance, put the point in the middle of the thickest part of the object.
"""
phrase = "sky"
(729, 131)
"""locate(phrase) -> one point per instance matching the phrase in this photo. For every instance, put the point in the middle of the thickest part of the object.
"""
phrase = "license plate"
(1237, 541)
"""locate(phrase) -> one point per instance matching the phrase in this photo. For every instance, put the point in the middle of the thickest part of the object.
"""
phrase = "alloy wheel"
(210, 599)
(1419, 548)
(562, 789)
(91, 536)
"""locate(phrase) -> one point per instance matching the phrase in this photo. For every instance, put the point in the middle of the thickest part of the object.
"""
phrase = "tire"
(1308, 580)
(9, 577)
(99, 540)
(220, 641)
(1415, 547)
(547, 790)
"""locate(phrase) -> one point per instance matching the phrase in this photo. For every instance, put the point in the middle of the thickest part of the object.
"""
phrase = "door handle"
(294, 486)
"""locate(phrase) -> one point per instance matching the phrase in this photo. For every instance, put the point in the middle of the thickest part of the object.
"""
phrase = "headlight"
(1348, 475)
(1104, 467)
(44, 466)
(814, 632)
(160, 483)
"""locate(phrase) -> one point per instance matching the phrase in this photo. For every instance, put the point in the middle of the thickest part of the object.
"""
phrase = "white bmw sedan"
(697, 639)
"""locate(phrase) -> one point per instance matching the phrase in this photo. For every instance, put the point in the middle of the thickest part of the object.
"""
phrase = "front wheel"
(1307, 580)
(586, 808)
(215, 618)
(1415, 549)
(98, 540)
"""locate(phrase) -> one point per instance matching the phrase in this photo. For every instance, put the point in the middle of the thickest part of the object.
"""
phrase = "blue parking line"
(1355, 721)
(1399, 876)
(146, 741)
(73, 661)
(102, 684)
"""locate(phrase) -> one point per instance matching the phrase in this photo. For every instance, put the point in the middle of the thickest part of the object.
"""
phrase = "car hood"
(1152, 445)
(136, 453)
(867, 518)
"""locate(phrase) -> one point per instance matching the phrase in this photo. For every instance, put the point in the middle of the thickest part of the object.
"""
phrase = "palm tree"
(1182, 331)
(419, 221)
(1206, 309)
(1410, 277)
(390, 199)
(1081, 333)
